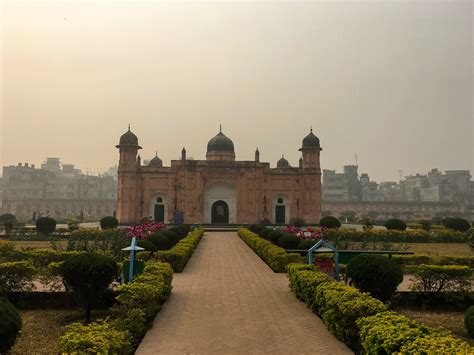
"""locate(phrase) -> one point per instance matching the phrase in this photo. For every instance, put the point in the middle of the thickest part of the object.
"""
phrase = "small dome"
(156, 162)
(220, 143)
(283, 163)
(128, 138)
(311, 140)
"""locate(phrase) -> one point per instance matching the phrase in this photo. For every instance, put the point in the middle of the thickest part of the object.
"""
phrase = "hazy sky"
(388, 81)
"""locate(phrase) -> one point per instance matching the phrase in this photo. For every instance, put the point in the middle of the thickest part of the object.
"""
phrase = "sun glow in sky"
(388, 81)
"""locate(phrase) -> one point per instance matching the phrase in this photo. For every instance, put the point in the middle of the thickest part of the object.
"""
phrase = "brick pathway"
(228, 301)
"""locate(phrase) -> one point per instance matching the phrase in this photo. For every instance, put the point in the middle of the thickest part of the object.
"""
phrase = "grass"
(450, 320)
(434, 249)
(42, 329)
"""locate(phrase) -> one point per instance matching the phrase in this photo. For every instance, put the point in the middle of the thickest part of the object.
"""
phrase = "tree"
(88, 275)
(109, 222)
(8, 220)
(396, 224)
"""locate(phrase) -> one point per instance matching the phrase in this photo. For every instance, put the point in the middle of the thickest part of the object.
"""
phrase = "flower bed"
(275, 257)
(363, 322)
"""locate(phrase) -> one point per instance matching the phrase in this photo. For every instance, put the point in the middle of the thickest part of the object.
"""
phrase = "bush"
(395, 224)
(109, 222)
(160, 241)
(441, 278)
(94, 240)
(147, 245)
(10, 325)
(390, 333)
(307, 243)
(88, 275)
(338, 305)
(8, 220)
(16, 276)
(297, 222)
(173, 236)
(274, 236)
(137, 305)
(97, 337)
(265, 232)
(329, 222)
(45, 225)
(375, 274)
(179, 255)
(275, 257)
(289, 241)
(456, 224)
(469, 321)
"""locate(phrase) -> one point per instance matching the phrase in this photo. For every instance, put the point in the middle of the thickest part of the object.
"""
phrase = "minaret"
(257, 156)
(127, 201)
(310, 151)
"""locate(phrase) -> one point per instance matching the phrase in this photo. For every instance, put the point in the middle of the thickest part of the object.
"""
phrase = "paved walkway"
(228, 301)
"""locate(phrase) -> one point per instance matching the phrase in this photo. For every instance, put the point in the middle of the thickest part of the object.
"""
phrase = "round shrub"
(395, 224)
(289, 241)
(160, 240)
(8, 220)
(265, 232)
(469, 321)
(88, 275)
(456, 224)
(306, 243)
(172, 236)
(147, 245)
(109, 222)
(376, 274)
(10, 325)
(297, 222)
(274, 236)
(45, 225)
(329, 222)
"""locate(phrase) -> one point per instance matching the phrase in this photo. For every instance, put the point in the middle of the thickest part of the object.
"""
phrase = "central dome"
(220, 143)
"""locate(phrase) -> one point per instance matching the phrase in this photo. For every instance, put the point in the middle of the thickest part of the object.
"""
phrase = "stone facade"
(218, 189)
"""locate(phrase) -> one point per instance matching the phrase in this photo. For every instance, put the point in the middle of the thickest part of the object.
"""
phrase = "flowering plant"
(145, 229)
(300, 232)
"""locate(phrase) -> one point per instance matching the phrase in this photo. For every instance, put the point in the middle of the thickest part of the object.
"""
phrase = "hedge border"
(274, 256)
(358, 319)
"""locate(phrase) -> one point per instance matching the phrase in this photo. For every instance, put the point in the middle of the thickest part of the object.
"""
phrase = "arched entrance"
(220, 212)
(281, 209)
(158, 208)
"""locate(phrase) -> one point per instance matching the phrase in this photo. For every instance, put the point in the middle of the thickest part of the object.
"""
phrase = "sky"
(388, 84)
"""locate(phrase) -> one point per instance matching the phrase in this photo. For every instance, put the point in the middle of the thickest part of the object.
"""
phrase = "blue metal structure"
(325, 247)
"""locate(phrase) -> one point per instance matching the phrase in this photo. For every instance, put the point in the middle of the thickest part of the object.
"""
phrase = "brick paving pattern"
(228, 301)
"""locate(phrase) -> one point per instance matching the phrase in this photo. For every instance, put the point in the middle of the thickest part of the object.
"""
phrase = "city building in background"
(415, 196)
(58, 190)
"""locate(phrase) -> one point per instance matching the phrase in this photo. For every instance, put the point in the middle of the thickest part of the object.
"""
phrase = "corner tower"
(127, 201)
(310, 150)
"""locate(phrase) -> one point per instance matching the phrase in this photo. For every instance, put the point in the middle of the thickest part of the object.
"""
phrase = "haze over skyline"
(388, 81)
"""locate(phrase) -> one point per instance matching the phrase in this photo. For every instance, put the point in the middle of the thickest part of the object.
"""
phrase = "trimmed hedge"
(94, 240)
(338, 305)
(275, 257)
(418, 259)
(16, 276)
(361, 321)
(179, 255)
(396, 236)
(138, 304)
(441, 278)
(388, 332)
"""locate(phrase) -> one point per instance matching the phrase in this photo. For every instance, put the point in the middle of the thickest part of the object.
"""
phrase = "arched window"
(280, 200)
(159, 200)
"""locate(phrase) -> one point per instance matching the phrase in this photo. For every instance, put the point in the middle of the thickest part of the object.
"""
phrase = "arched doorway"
(281, 209)
(220, 191)
(158, 208)
(220, 212)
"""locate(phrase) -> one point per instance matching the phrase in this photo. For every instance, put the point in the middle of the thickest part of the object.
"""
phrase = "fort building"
(219, 189)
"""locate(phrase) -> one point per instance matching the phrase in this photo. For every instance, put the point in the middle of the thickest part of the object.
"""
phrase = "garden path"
(228, 301)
